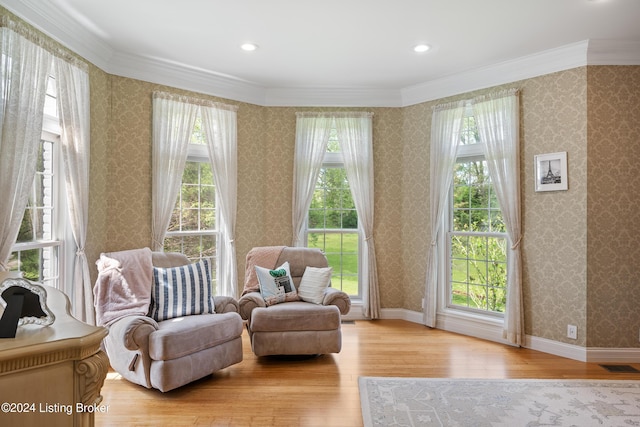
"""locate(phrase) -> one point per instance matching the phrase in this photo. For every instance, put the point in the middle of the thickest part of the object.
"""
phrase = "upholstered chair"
(169, 353)
(294, 326)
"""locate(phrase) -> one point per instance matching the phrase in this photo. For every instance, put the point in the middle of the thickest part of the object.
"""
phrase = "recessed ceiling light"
(249, 47)
(421, 48)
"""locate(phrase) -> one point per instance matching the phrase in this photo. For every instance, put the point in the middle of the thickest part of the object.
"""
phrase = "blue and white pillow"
(181, 291)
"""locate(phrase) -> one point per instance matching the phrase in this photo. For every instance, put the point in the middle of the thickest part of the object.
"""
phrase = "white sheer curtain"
(173, 122)
(356, 139)
(73, 105)
(312, 136)
(446, 124)
(24, 68)
(219, 124)
(497, 118)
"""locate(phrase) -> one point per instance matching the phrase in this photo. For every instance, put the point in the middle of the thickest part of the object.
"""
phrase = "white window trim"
(485, 325)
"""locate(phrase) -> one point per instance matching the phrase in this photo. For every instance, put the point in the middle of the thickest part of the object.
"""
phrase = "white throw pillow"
(314, 281)
(276, 285)
(181, 291)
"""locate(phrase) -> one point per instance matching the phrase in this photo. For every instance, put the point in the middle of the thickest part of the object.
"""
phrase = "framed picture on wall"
(551, 172)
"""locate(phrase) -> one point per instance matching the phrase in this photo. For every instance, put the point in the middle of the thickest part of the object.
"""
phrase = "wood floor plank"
(323, 390)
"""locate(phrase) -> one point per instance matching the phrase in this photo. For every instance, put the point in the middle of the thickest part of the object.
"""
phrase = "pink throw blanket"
(123, 286)
(264, 256)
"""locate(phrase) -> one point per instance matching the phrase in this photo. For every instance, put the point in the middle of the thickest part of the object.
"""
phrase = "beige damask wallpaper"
(613, 270)
(580, 247)
(558, 287)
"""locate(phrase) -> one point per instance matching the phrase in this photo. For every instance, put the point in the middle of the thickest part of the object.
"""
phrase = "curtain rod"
(193, 100)
(467, 102)
(330, 114)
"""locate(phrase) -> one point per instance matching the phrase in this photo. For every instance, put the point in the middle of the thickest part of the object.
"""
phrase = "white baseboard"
(492, 332)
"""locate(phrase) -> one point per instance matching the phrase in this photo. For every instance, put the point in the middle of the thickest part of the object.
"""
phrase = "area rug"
(498, 403)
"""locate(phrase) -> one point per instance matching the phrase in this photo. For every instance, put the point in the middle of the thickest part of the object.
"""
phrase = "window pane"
(341, 250)
(38, 265)
(194, 247)
(497, 221)
(480, 196)
(197, 137)
(333, 146)
(332, 209)
(477, 259)
(459, 294)
(193, 221)
(459, 246)
(477, 297)
(38, 221)
(195, 206)
(190, 174)
(478, 264)
(207, 195)
(207, 219)
(477, 272)
(459, 271)
(350, 219)
(477, 248)
(469, 134)
(332, 218)
(316, 240)
(28, 262)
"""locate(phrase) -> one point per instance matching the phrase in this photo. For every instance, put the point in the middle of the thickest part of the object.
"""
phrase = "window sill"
(471, 324)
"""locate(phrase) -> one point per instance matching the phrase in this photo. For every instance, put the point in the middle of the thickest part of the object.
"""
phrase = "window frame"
(465, 153)
(336, 160)
(61, 238)
(199, 153)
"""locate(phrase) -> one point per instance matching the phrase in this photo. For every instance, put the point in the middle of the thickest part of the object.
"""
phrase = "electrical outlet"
(572, 332)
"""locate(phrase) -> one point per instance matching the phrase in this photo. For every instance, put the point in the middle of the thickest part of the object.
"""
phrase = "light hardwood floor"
(323, 391)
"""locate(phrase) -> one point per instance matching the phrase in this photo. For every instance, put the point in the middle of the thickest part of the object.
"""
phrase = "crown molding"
(613, 52)
(538, 64)
(62, 27)
(184, 77)
(333, 97)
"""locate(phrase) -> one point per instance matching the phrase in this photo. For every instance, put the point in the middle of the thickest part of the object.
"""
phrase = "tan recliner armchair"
(295, 327)
(170, 353)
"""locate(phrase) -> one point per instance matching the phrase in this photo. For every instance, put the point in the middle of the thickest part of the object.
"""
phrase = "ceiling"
(335, 52)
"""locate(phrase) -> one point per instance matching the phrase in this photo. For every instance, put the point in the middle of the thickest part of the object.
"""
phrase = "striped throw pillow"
(313, 284)
(181, 291)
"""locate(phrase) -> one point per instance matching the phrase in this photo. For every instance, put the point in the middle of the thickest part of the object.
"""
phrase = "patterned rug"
(504, 403)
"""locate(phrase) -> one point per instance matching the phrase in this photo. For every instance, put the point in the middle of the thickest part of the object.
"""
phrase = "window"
(332, 223)
(38, 251)
(193, 227)
(476, 235)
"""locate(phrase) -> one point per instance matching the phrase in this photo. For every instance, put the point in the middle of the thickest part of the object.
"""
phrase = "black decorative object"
(24, 303)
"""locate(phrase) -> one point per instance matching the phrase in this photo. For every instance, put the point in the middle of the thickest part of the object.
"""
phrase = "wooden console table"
(52, 375)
